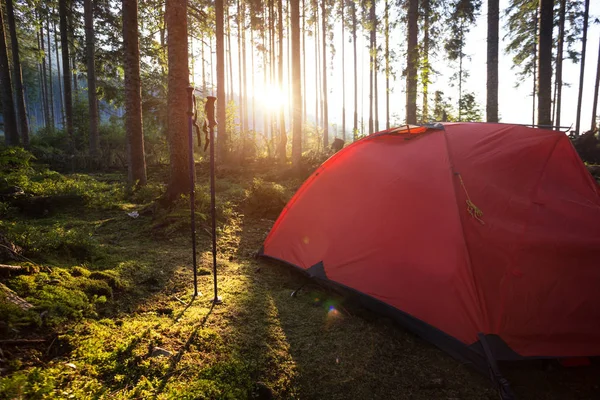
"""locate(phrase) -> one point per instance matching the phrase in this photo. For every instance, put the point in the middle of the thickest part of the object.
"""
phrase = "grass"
(127, 289)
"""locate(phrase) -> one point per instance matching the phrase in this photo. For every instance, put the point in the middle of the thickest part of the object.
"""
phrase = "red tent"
(480, 237)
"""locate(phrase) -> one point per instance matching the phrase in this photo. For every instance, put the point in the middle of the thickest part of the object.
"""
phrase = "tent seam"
(469, 260)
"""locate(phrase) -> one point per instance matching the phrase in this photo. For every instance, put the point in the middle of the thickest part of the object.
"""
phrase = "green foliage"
(265, 199)
(14, 159)
(46, 242)
(470, 110)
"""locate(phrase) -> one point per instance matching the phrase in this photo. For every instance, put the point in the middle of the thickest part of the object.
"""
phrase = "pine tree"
(11, 134)
(545, 63)
(88, 6)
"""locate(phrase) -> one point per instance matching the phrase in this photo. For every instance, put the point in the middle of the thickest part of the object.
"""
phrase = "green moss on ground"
(109, 289)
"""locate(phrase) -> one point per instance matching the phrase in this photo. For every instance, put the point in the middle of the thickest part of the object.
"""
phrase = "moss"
(265, 199)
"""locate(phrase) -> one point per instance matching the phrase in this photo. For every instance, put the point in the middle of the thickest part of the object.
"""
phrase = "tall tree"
(177, 44)
(596, 87)
(343, 15)
(50, 78)
(223, 140)
(88, 6)
(522, 28)
(44, 77)
(133, 98)
(462, 16)
(581, 72)
(324, 18)
(493, 18)
(17, 74)
(354, 25)
(387, 64)
(58, 74)
(64, 43)
(11, 134)
(559, 61)
(282, 133)
(411, 62)
(296, 84)
(545, 63)
(372, 64)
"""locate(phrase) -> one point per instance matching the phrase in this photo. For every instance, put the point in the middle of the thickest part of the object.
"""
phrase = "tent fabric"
(472, 228)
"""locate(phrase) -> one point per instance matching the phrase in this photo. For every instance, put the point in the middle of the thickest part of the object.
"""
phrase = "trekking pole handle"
(190, 92)
(209, 111)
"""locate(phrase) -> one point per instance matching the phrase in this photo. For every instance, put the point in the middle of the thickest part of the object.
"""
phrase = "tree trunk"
(387, 69)
(343, 73)
(296, 85)
(371, 61)
(88, 6)
(45, 102)
(375, 70)
(317, 57)
(412, 60)
(58, 75)
(324, 99)
(64, 43)
(535, 66)
(244, 88)
(545, 63)
(50, 79)
(354, 22)
(492, 61)
(559, 62)
(11, 134)
(253, 85)
(231, 98)
(597, 84)
(133, 100)
(223, 142)
(304, 64)
(582, 70)
(240, 68)
(282, 133)
(17, 74)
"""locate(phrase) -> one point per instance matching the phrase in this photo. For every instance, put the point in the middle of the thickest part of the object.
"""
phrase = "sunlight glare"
(272, 97)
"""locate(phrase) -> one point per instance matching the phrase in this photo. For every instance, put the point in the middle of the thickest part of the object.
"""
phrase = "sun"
(272, 97)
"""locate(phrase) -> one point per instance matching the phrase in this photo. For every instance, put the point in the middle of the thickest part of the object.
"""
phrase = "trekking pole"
(192, 183)
(209, 110)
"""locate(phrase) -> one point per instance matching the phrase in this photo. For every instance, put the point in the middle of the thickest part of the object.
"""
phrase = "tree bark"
(296, 85)
(559, 62)
(387, 69)
(50, 79)
(44, 83)
(17, 74)
(325, 99)
(371, 62)
(282, 133)
(343, 72)
(64, 43)
(223, 139)
(133, 97)
(596, 86)
(582, 70)
(492, 61)
(88, 6)
(58, 75)
(11, 134)
(375, 70)
(545, 63)
(412, 59)
(354, 22)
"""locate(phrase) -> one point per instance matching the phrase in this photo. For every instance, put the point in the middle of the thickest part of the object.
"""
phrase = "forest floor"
(113, 304)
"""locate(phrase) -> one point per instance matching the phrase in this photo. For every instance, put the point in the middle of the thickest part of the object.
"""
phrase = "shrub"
(265, 199)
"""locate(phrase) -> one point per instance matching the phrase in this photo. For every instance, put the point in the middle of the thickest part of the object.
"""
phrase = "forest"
(96, 299)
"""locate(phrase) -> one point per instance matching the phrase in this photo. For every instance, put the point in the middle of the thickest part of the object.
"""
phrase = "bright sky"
(515, 104)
